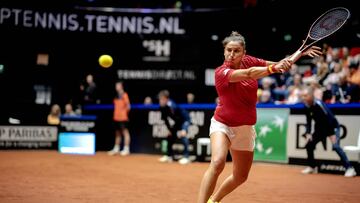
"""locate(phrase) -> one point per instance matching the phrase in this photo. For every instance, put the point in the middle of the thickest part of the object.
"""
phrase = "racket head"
(328, 23)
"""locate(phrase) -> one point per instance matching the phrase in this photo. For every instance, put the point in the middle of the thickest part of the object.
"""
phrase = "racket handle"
(295, 56)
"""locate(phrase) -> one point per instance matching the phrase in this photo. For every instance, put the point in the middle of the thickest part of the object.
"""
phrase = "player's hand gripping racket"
(325, 25)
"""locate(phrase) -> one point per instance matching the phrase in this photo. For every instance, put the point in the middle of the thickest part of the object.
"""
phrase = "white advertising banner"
(349, 132)
(15, 137)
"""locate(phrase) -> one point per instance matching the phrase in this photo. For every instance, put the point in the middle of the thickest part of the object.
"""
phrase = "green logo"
(271, 129)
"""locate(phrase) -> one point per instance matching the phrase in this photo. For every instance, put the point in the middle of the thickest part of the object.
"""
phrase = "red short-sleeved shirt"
(237, 105)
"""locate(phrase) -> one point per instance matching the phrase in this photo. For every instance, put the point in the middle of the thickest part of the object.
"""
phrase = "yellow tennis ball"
(105, 61)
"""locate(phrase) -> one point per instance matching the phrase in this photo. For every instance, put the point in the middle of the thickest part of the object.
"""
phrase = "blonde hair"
(236, 37)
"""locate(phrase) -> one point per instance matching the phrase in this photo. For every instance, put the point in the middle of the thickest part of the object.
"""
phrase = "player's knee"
(217, 165)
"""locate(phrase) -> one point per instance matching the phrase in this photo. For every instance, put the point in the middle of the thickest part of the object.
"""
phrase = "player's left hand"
(312, 51)
(283, 66)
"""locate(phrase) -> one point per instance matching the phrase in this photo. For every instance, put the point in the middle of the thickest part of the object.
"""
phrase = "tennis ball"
(105, 61)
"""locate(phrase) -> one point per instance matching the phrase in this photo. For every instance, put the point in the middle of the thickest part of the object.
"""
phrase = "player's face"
(234, 52)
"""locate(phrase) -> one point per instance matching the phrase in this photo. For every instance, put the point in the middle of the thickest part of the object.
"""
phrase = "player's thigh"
(219, 146)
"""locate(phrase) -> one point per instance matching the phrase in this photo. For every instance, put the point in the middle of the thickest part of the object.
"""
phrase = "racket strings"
(328, 23)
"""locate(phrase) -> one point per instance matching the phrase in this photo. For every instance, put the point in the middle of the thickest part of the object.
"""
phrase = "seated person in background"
(333, 79)
(265, 97)
(148, 100)
(294, 90)
(267, 83)
(69, 111)
(353, 78)
(318, 91)
(54, 116)
(322, 71)
(340, 92)
(190, 97)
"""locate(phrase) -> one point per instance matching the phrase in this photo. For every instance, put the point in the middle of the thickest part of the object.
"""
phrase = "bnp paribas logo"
(271, 130)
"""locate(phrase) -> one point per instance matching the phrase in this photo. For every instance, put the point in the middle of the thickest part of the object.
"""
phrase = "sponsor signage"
(33, 137)
(271, 129)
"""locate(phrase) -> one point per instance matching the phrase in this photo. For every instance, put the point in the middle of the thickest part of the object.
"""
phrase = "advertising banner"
(271, 129)
(326, 158)
(28, 137)
(154, 132)
(349, 131)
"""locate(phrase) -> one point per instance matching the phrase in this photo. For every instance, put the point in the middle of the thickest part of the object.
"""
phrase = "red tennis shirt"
(237, 105)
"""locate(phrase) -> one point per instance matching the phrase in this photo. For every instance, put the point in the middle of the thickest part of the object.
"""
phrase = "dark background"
(72, 55)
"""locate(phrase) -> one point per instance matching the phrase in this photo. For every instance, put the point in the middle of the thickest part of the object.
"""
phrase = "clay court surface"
(48, 176)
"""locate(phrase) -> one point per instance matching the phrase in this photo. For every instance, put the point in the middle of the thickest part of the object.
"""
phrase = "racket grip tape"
(295, 56)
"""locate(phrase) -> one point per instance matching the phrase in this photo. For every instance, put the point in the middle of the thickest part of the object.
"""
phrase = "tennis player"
(232, 126)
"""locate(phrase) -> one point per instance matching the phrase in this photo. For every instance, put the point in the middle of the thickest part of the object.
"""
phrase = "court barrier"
(279, 132)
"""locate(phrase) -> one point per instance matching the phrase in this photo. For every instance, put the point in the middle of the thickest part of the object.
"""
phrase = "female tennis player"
(232, 126)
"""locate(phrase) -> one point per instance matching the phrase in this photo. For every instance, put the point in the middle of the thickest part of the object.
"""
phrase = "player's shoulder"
(222, 71)
(252, 59)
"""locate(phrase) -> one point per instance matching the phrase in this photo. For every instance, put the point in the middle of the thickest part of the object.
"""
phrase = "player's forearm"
(268, 63)
(250, 73)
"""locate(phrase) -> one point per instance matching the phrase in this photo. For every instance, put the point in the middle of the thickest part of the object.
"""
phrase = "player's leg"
(242, 161)
(242, 153)
(219, 149)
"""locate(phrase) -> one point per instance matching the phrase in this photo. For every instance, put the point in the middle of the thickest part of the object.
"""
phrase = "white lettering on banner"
(159, 129)
(156, 74)
(193, 131)
(28, 133)
(155, 118)
(159, 47)
(330, 167)
(91, 22)
(197, 117)
(77, 125)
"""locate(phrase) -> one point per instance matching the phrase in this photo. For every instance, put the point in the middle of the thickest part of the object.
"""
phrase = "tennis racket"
(325, 25)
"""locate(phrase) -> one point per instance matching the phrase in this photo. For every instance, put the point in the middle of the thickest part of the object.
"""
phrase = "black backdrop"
(72, 55)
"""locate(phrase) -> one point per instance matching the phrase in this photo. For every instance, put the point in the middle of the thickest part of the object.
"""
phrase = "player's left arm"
(257, 72)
